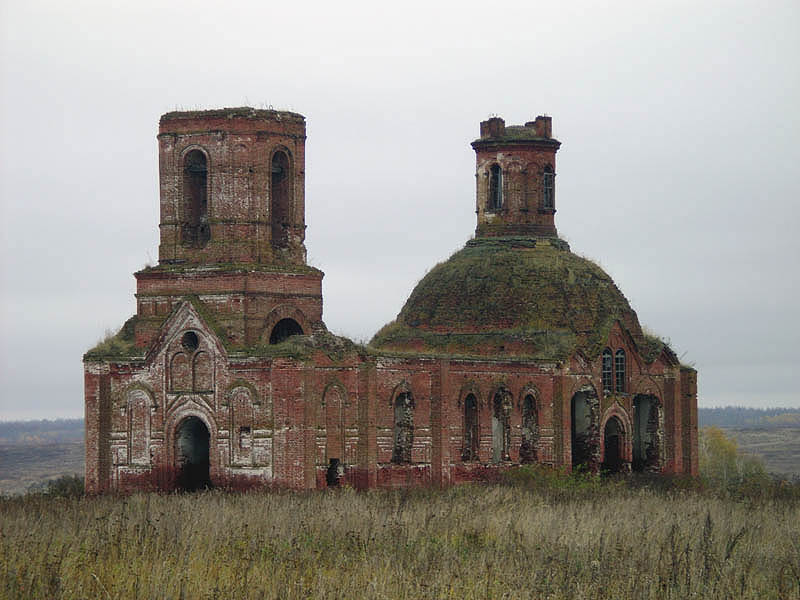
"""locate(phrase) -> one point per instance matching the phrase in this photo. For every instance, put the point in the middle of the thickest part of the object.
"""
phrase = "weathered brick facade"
(515, 350)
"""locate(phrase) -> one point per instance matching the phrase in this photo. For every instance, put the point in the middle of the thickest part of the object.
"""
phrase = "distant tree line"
(41, 431)
(739, 417)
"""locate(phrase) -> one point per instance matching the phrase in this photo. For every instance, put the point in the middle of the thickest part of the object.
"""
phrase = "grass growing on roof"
(542, 293)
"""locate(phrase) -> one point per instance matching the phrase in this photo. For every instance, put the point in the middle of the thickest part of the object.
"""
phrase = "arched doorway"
(613, 446)
(646, 434)
(584, 428)
(284, 329)
(192, 455)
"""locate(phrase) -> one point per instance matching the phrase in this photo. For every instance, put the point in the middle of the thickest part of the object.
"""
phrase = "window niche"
(403, 428)
(495, 200)
(548, 189)
(501, 426)
(195, 231)
(191, 368)
(280, 199)
(530, 430)
(469, 452)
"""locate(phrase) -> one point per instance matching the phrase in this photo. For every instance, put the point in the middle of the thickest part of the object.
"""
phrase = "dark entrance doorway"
(191, 453)
(614, 445)
(334, 473)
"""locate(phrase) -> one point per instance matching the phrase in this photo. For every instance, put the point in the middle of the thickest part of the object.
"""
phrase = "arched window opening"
(584, 428)
(613, 446)
(646, 434)
(403, 428)
(608, 373)
(501, 426)
(471, 438)
(280, 200)
(548, 189)
(530, 430)
(191, 452)
(495, 188)
(285, 328)
(619, 370)
(195, 231)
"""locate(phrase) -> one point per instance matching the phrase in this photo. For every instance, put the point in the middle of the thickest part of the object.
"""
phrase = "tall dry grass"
(583, 540)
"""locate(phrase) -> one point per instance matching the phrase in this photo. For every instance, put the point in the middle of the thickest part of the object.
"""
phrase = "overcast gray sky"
(679, 170)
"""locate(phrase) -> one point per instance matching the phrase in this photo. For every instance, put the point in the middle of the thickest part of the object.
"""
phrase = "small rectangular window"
(244, 438)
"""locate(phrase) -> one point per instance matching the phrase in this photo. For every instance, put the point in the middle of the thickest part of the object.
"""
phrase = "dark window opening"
(195, 231)
(530, 430)
(608, 373)
(245, 441)
(495, 188)
(646, 434)
(403, 428)
(192, 445)
(334, 473)
(284, 329)
(619, 370)
(190, 341)
(614, 446)
(470, 450)
(501, 426)
(280, 195)
(584, 429)
(548, 189)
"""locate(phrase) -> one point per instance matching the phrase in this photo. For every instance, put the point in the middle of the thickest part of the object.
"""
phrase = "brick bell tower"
(232, 226)
(515, 176)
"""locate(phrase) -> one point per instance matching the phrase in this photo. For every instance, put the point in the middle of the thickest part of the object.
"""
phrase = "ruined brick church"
(514, 350)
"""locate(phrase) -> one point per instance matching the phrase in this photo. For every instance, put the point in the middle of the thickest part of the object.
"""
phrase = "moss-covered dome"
(510, 297)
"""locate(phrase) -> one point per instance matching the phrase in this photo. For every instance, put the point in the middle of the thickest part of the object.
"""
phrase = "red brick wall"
(239, 145)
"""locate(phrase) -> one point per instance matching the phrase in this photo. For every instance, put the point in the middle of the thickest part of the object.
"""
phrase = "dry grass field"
(542, 535)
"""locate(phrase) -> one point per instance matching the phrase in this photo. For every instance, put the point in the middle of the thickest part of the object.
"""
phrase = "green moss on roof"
(119, 345)
(238, 111)
(303, 347)
(651, 346)
(542, 299)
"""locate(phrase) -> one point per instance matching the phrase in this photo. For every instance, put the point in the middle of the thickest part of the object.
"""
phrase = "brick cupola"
(515, 177)
(232, 187)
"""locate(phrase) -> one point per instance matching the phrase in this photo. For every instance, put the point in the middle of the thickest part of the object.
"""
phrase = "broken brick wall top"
(232, 187)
